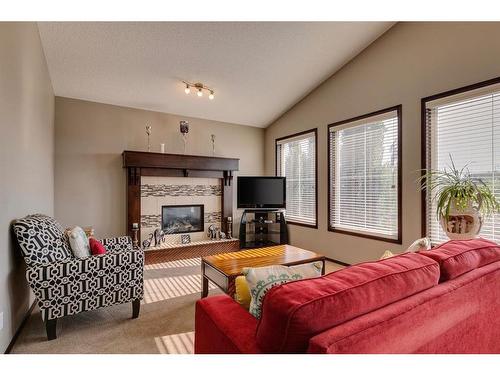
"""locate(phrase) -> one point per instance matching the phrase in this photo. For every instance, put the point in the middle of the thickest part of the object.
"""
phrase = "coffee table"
(222, 269)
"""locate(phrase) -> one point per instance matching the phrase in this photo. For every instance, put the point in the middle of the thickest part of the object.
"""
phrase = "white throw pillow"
(261, 279)
(419, 245)
(79, 242)
(388, 254)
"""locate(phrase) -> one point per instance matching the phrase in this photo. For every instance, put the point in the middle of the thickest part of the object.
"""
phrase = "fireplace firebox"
(185, 218)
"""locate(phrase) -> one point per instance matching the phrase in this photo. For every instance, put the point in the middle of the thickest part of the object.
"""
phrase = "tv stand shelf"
(260, 227)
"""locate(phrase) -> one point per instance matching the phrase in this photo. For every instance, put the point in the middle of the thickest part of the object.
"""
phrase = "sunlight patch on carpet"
(181, 343)
(192, 262)
(164, 288)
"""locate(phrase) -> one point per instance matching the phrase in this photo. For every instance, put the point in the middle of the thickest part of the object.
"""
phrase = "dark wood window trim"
(423, 134)
(399, 111)
(315, 131)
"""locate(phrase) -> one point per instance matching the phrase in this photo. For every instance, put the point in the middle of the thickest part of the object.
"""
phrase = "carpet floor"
(165, 324)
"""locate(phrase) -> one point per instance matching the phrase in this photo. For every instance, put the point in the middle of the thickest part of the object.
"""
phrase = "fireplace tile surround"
(165, 191)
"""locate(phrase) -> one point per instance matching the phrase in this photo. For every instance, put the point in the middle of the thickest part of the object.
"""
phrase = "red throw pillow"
(96, 247)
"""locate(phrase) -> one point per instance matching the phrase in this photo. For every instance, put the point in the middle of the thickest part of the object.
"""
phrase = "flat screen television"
(261, 192)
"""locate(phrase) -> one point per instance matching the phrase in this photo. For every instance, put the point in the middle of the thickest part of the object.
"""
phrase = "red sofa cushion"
(222, 326)
(458, 257)
(294, 312)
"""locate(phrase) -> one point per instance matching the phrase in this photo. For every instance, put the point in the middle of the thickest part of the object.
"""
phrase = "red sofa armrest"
(222, 326)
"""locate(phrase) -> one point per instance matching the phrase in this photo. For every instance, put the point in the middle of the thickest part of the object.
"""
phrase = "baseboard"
(338, 262)
(19, 329)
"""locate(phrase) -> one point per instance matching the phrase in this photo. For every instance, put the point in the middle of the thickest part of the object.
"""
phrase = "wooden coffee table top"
(231, 264)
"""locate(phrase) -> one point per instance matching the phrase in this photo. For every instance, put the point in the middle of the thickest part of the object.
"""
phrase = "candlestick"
(148, 132)
(135, 229)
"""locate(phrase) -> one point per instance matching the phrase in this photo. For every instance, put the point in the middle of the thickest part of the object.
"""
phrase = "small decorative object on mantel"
(212, 137)
(222, 235)
(184, 129)
(462, 201)
(135, 229)
(148, 132)
(158, 236)
(212, 232)
(185, 238)
(162, 148)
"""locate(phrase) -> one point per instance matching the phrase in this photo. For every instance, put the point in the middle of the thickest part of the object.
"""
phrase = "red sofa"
(445, 300)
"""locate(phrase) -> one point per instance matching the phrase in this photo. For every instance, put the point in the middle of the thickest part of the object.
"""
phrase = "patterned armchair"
(65, 285)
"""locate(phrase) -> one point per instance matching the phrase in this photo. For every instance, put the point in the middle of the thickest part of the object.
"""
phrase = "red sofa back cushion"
(293, 313)
(458, 257)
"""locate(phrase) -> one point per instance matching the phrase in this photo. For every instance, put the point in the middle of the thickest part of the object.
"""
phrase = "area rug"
(165, 325)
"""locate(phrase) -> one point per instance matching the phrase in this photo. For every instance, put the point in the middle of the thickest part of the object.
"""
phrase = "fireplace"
(186, 218)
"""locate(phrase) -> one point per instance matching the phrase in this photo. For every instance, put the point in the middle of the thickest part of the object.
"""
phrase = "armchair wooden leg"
(51, 325)
(136, 307)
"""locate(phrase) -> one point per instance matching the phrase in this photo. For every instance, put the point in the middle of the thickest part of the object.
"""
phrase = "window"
(296, 160)
(463, 124)
(365, 175)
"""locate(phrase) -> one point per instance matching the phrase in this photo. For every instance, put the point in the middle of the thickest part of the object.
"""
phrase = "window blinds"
(296, 160)
(467, 128)
(364, 176)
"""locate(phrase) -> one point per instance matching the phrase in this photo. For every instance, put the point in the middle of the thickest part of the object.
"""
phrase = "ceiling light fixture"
(200, 87)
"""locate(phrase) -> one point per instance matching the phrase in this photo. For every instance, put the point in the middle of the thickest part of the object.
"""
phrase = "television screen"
(261, 192)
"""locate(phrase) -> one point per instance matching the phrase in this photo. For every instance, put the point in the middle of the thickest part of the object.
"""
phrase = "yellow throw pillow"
(242, 295)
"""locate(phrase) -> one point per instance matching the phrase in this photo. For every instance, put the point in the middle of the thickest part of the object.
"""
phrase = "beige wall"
(410, 61)
(90, 138)
(26, 157)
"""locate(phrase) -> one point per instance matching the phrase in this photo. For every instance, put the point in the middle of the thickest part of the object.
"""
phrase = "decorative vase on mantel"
(462, 224)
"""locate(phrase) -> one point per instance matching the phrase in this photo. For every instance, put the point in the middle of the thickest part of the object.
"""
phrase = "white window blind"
(296, 160)
(364, 176)
(467, 128)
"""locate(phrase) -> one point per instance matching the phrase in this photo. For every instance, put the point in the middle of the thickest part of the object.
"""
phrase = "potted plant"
(462, 200)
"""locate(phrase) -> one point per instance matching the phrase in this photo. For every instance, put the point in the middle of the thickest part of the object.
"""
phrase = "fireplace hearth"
(186, 218)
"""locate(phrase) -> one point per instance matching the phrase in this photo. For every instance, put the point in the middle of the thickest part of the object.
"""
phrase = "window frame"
(315, 132)
(423, 135)
(399, 240)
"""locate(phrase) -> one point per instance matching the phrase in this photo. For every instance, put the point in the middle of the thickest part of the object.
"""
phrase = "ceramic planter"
(462, 224)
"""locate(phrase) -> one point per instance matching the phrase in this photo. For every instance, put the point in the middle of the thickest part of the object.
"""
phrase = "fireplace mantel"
(139, 163)
(138, 159)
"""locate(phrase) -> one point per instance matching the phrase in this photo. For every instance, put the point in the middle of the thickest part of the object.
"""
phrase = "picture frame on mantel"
(185, 239)
(140, 164)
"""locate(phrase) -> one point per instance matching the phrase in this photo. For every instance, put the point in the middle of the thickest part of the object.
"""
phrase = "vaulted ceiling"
(257, 69)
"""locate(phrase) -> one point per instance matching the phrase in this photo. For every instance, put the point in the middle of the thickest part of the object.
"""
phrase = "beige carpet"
(165, 325)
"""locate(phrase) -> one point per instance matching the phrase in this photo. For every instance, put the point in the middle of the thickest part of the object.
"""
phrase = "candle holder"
(135, 229)
(212, 138)
(148, 132)
(229, 227)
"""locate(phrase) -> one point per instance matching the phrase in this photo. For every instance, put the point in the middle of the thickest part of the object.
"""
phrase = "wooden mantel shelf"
(139, 159)
(139, 163)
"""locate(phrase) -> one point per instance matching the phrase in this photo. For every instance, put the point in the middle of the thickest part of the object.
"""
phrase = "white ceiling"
(258, 69)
